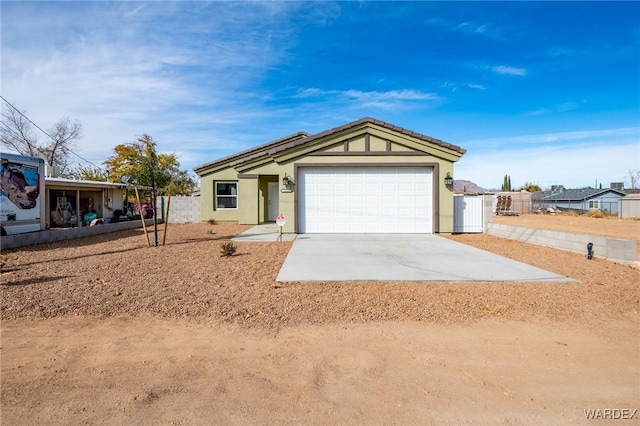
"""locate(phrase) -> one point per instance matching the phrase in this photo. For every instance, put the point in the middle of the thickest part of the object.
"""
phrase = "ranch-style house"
(367, 176)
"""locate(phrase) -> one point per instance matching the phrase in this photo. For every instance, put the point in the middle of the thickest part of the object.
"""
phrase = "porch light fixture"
(448, 180)
(286, 181)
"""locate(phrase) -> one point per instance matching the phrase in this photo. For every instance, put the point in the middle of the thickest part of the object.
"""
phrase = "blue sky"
(547, 92)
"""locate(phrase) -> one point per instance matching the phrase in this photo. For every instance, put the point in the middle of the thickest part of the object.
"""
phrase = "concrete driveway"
(400, 257)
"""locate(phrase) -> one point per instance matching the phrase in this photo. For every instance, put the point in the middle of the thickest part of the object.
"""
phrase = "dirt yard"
(104, 330)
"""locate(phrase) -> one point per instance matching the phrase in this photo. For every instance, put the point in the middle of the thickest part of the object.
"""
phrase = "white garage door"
(359, 200)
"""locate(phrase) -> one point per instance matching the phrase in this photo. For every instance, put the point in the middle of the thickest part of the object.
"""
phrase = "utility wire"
(40, 128)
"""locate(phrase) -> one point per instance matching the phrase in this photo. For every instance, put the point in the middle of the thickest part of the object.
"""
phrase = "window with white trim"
(594, 204)
(226, 195)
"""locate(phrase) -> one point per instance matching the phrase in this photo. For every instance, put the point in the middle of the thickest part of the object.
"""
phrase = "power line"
(40, 128)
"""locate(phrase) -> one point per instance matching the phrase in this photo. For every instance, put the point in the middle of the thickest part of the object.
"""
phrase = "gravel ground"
(118, 275)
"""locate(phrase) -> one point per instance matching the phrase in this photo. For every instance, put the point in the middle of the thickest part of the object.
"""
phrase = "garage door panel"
(340, 187)
(389, 186)
(357, 199)
(388, 200)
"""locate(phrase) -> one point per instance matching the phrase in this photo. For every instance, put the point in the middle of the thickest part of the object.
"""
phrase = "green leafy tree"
(530, 187)
(139, 164)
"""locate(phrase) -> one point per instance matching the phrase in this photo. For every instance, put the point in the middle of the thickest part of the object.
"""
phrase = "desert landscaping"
(105, 330)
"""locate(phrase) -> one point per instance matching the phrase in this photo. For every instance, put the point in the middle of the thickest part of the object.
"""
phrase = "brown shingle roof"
(254, 152)
(363, 121)
(300, 138)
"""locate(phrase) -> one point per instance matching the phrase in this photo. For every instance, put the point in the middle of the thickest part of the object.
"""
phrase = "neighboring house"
(583, 200)
(364, 176)
(68, 200)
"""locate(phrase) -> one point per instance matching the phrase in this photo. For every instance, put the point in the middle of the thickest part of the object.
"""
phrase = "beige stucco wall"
(207, 195)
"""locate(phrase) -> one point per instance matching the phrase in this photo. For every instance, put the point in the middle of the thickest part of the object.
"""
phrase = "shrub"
(595, 213)
(211, 221)
(570, 213)
(227, 248)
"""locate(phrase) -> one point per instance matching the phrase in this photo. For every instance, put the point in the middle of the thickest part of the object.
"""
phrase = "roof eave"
(249, 153)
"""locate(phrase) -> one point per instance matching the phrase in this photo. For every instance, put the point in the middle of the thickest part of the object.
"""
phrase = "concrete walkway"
(400, 257)
(264, 232)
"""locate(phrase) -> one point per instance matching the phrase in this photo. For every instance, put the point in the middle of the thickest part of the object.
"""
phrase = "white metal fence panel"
(468, 214)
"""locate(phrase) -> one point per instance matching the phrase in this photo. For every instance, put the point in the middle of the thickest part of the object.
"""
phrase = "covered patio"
(68, 201)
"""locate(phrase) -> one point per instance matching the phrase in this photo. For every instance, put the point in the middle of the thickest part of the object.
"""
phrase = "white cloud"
(602, 155)
(466, 27)
(369, 99)
(599, 136)
(506, 70)
(560, 108)
(537, 112)
(574, 167)
(476, 86)
(108, 65)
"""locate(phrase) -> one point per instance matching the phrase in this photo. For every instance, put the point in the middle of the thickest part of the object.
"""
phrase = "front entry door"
(272, 201)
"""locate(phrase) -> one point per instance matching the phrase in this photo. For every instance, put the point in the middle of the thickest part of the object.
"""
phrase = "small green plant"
(227, 248)
(209, 232)
(211, 221)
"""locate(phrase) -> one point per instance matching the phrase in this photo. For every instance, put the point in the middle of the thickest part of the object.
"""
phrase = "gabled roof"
(368, 120)
(581, 194)
(252, 152)
(300, 138)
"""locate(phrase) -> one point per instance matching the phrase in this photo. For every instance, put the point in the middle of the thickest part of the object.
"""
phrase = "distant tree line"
(528, 186)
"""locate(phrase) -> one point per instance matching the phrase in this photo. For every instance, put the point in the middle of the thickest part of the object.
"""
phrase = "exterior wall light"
(286, 181)
(448, 180)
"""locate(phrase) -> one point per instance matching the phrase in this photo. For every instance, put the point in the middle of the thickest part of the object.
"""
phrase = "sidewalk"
(264, 232)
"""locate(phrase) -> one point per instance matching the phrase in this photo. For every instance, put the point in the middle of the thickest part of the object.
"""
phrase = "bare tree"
(64, 133)
(16, 132)
(634, 178)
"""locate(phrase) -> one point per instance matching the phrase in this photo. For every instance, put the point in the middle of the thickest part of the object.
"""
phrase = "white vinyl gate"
(468, 214)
